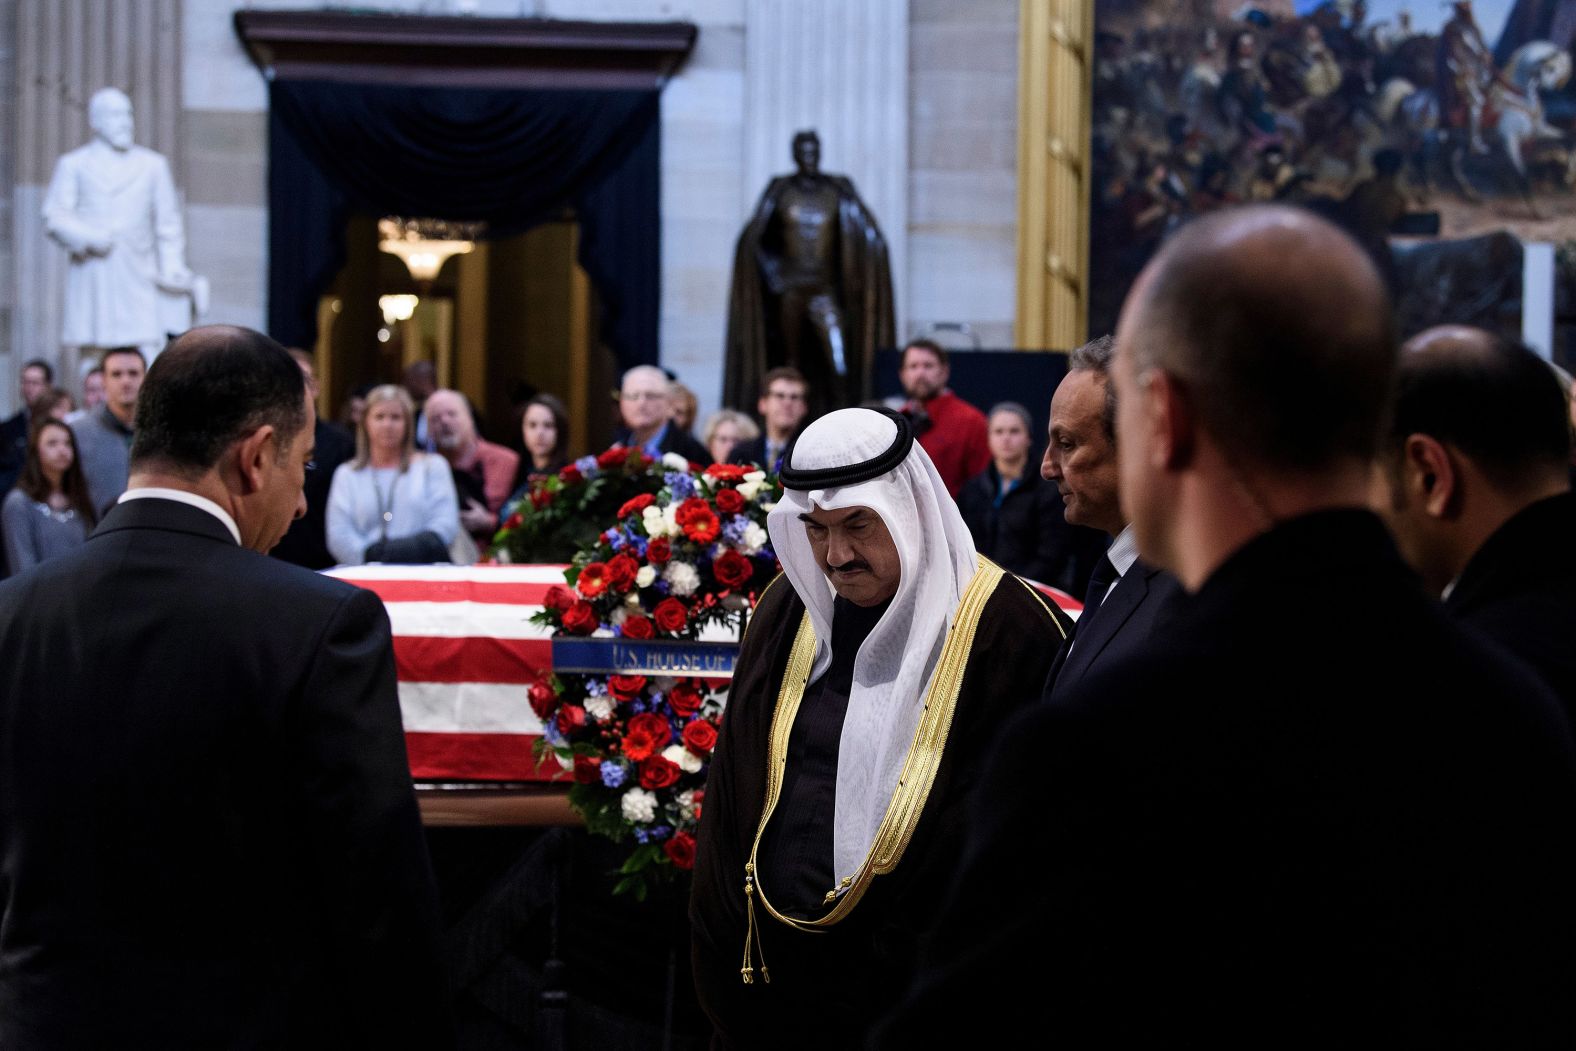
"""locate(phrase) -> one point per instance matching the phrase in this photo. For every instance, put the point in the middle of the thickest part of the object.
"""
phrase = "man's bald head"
(1279, 326)
(1491, 398)
(450, 422)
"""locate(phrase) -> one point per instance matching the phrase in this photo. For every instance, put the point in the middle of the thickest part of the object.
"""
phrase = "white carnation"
(652, 518)
(754, 538)
(617, 616)
(686, 802)
(682, 578)
(755, 476)
(639, 805)
(683, 758)
(675, 462)
(670, 517)
(645, 576)
(599, 708)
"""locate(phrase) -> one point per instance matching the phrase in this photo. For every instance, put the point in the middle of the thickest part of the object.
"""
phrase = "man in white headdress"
(112, 205)
(865, 695)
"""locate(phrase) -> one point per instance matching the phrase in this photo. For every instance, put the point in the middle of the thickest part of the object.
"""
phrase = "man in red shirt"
(951, 431)
(483, 472)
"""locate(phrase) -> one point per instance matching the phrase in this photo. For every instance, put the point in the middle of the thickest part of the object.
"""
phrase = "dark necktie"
(1099, 584)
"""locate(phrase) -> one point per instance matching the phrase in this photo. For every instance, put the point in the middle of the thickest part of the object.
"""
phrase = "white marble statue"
(112, 205)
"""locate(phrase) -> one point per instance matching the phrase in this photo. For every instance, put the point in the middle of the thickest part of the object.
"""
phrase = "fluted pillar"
(842, 69)
(65, 51)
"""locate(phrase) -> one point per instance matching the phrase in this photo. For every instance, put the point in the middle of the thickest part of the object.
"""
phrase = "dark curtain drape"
(510, 159)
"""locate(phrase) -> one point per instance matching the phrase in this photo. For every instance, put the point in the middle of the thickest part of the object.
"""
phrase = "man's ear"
(1430, 475)
(1169, 418)
(254, 455)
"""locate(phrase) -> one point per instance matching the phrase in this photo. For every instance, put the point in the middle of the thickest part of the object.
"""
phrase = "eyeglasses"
(642, 395)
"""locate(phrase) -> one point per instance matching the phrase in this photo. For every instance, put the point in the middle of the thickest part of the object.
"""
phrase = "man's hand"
(476, 518)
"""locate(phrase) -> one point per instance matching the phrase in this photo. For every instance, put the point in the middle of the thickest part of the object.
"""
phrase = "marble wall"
(921, 111)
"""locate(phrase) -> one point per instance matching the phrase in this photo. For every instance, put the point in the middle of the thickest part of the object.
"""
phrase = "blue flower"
(641, 835)
(586, 465)
(682, 486)
(733, 529)
(613, 774)
(659, 832)
(550, 731)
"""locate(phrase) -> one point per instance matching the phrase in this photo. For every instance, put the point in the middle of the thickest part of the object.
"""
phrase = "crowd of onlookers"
(410, 475)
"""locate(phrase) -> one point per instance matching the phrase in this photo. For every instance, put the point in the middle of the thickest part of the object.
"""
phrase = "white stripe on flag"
(464, 620)
(467, 707)
(482, 574)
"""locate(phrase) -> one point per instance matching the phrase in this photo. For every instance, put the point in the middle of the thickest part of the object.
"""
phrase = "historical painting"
(1439, 134)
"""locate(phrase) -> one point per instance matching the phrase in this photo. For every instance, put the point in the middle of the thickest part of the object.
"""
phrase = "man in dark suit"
(1474, 483)
(783, 405)
(645, 404)
(1128, 600)
(1316, 812)
(207, 831)
(305, 542)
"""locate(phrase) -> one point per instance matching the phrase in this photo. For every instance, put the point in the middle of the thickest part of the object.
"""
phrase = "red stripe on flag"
(513, 593)
(478, 757)
(421, 659)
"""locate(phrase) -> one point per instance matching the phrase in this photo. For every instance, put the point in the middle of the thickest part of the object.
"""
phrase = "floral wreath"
(687, 553)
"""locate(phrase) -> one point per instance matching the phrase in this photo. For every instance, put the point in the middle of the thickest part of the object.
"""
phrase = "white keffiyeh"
(893, 668)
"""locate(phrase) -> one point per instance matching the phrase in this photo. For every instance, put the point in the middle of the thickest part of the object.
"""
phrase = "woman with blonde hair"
(391, 503)
(725, 429)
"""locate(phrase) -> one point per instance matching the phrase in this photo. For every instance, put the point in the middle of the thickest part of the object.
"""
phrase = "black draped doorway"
(507, 158)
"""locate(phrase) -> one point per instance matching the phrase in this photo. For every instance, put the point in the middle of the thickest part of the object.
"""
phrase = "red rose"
(733, 570)
(703, 530)
(621, 570)
(540, 498)
(513, 521)
(690, 508)
(658, 772)
(728, 472)
(684, 699)
(588, 769)
(700, 737)
(543, 698)
(559, 598)
(570, 475)
(659, 550)
(653, 724)
(592, 580)
(580, 619)
(570, 717)
(626, 687)
(635, 505)
(680, 850)
(614, 457)
(638, 627)
(729, 501)
(671, 615)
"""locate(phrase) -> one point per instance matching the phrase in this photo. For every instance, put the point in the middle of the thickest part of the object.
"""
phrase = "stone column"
(842, 69)
(65, 51)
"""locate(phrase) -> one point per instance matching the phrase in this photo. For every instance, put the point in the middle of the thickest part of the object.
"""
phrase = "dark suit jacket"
(207, 831)
(1520, 590)
(1317, 813)
(305, 543)
(676, 440)
(1144, 603)
(1028, 533)
(753, 451)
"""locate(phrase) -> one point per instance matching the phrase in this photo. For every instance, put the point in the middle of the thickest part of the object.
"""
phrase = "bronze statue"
(811, 287)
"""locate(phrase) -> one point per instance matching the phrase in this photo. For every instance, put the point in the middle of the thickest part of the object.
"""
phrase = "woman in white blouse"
(391, 503)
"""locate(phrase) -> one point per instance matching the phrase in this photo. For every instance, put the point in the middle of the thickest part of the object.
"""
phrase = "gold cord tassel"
(751, 936)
